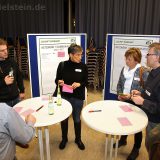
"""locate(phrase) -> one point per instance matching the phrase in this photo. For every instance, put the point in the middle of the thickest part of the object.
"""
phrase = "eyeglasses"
(151, 54)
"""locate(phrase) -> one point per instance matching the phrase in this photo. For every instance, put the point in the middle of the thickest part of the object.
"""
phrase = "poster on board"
(45, 53)
(116, 46)
(51, 50)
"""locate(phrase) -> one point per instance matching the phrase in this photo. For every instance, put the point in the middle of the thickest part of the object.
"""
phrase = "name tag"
(78, 70)
(136, 78)
(148, 93)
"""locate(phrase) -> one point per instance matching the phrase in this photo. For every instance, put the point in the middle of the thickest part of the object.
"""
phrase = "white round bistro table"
(114, 118)
(43, 119)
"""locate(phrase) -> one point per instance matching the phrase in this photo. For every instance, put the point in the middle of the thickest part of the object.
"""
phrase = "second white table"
(114, 118)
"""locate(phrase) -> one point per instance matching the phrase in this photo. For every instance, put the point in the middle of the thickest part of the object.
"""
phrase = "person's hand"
(75, 85)
(61, 82)
(120, 98)
(137, 99)
(135, 92)
(21, 96)
(124, 97)
(30, 118)
(8, 80)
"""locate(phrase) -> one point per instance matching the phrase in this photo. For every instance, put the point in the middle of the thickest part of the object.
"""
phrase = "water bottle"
(50, 106)
(59, 98)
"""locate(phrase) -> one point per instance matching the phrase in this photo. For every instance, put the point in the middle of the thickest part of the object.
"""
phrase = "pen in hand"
(39, 108)
(95, 111)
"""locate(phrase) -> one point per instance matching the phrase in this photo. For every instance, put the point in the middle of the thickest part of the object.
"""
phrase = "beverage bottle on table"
(59, 98)
(50, 105)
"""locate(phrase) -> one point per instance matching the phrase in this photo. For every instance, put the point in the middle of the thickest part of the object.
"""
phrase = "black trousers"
(77, 129)
(137, 139)
(15, 158)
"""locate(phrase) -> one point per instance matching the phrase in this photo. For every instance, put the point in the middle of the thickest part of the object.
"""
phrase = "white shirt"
(129, 74)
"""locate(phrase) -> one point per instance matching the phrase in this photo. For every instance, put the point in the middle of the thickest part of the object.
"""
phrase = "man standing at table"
(13, 129)
(73, 73)
(150, 98)
(11, 82)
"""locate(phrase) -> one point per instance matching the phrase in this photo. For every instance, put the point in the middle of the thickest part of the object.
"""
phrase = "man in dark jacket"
(11, 82)
(150, 98)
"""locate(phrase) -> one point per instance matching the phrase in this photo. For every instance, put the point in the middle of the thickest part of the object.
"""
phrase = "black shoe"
(80, 144)
(63, 143)
(134, 154)
(120, 143)
(22, 145)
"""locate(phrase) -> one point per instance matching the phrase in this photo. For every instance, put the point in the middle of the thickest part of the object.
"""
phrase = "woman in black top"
(73, 73)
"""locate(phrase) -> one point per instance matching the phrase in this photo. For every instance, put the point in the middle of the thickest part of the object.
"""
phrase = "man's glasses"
(151, 54)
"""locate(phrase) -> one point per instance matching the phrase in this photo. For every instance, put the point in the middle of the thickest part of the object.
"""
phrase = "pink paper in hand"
(17, 109)
(27, 112)
(67, 88)
(124, 121)
(125, 108)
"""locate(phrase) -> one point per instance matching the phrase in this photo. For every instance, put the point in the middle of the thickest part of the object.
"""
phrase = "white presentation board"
(45, 53)
(116, 46)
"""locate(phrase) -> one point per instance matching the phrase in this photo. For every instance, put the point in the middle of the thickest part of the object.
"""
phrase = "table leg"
(111, 147)
(47, 143)
(36, 133)
(40, 138)
(116, 149)
(106, 147)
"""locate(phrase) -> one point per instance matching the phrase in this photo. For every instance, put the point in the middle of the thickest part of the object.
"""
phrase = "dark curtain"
(19, 17)
(99, 17)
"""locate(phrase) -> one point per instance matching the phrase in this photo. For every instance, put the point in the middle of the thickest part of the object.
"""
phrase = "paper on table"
(17, 109)
(67, 88)
(44, 98)
(124, 121)
(126, 108)
(27, 112)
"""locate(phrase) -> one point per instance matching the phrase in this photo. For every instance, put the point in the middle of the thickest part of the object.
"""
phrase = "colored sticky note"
(124, 121)
(126, 108)
(17, 109)
(67, 88)
(44, 98)
(61, 54)
(27, 112)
